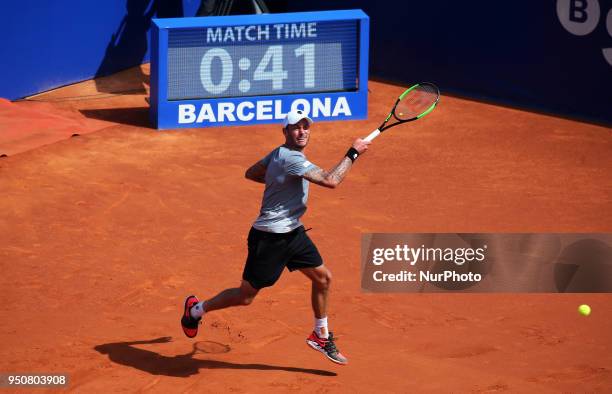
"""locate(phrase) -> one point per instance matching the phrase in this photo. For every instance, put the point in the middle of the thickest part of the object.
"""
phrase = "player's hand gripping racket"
(416, 102)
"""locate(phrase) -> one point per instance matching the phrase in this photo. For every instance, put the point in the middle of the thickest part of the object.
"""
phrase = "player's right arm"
(335, 176)
(256, 172)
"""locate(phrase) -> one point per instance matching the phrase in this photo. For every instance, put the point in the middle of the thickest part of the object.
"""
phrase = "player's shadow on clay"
(181, 365)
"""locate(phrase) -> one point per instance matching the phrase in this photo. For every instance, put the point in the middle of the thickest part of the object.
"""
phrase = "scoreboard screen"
(249, 69)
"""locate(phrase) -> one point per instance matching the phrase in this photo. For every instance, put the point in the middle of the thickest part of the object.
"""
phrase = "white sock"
(197, 310)
(321, 327)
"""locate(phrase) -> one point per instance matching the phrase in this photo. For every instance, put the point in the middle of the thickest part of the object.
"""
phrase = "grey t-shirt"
(284, 199)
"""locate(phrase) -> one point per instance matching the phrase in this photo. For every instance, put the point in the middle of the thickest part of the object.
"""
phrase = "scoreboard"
(253, 69)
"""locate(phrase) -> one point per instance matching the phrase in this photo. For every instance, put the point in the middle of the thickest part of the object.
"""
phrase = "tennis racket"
(416, 102)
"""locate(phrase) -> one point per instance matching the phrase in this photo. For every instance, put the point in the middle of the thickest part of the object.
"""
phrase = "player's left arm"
(335, 176)
(256, 172)
(331, 178)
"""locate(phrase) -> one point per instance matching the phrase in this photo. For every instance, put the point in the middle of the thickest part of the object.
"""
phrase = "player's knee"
(323, 282)
(246, 298)
(247, 294)
(328, 279)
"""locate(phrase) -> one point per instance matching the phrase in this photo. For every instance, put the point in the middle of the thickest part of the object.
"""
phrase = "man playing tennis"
(278, 239)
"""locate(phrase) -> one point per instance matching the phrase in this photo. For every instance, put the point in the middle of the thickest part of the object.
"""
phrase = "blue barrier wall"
(46, 44)
(522, 53)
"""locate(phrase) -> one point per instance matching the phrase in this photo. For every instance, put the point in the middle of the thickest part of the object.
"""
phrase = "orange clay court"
(103, 235)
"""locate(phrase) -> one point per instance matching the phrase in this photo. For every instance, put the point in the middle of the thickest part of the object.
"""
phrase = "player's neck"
(291, 147)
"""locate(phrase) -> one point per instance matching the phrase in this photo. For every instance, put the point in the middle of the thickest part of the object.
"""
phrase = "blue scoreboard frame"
(253, 69)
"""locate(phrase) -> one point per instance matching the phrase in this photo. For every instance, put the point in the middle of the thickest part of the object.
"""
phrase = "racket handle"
(372, 135)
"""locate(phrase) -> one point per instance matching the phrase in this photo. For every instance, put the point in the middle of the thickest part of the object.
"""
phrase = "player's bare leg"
(321, 281)
(321, 339)
(194, 309)
(243, 295)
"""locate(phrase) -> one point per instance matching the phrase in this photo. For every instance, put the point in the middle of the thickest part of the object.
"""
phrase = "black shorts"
(270, 253)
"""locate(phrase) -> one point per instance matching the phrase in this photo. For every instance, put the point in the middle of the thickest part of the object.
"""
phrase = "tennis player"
(278, 238)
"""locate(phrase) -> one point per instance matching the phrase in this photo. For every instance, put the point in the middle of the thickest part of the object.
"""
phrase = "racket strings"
(417, 101)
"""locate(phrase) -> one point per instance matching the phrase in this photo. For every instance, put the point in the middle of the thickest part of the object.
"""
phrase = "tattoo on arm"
(330, 178)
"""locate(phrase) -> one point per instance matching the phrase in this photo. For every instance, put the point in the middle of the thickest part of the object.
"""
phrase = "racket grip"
(372, 135)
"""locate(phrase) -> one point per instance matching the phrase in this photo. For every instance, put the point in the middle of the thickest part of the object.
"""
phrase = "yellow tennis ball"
(584, 310)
